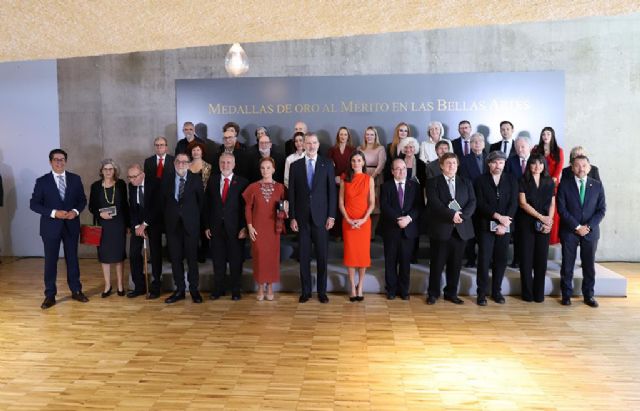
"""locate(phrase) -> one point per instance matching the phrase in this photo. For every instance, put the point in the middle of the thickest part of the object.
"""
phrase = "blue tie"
(310, 173)
(62, 187)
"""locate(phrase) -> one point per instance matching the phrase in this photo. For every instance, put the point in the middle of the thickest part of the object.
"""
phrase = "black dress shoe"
(176, 296)
(323, 298)
(565, 301)
(431, 300)
(134, 293)
(303, 298)
(591, 302)
(235, 297)
(48, 302)
(79, 296)
(405, 297)
(360, 298)
(391, 297)
(153, 295)
(107, 293)
(482, 300)
(355, 298)
(121, 293)
(454, 300)
(499, 299)
(196, 297)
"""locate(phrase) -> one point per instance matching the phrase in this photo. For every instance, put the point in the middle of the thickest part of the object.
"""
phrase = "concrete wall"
(112, 106)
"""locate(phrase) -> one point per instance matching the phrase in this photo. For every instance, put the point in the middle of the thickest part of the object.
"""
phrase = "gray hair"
(577, 150)
(477, 136)
(433, 124)
(408, 141)
(496, 155)
(526, 139)
(116, 169)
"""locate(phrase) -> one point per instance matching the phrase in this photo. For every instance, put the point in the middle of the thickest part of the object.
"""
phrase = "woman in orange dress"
(548, 147)
(262, 200)
(356, 202)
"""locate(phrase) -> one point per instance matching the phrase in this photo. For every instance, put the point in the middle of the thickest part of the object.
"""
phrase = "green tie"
(581, 192)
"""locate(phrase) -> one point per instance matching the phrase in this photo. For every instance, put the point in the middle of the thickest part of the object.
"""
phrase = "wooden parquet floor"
(120, 353)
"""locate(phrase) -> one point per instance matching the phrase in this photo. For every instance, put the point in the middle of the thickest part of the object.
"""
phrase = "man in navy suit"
(225, 226)
(401, 203)
(312, 208)
(462, 144)
(506, 144)
(451, 202)
(582, 207)
(59, 199)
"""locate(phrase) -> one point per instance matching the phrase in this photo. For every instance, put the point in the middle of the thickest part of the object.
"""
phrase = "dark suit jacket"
(320, 202)
(390, 206)
(441, 224)
(181, 146)
(151, 166)
(457, 147)
(96, 192)
(188, 210)
(490, 199)
(46, 198)
(498, 147)
(230, 215)
(242, 168)
(593, 173)
(150, 211)
(253, 161)
(469, 167)
(433, 169)
(573, 214)
(512, 166)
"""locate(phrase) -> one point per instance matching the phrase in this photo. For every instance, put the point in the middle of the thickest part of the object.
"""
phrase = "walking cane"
(146, 269)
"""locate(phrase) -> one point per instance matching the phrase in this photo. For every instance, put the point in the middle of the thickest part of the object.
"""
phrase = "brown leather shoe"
(48, 302)
(79, 296)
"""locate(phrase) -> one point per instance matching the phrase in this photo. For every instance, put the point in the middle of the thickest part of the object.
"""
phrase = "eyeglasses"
(160, 144)
(58, 160)
(133, 177)
(107, 169)
(182, 162)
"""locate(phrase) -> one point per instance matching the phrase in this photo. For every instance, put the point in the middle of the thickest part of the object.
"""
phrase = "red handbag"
(90, 234)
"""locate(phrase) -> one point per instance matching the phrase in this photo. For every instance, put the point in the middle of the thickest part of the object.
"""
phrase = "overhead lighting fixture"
(236, 62)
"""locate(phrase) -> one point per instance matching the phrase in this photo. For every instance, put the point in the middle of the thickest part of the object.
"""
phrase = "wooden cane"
(146, 269)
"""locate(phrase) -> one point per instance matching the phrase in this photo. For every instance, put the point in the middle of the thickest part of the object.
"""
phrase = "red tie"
(225, 190)
(160, 168)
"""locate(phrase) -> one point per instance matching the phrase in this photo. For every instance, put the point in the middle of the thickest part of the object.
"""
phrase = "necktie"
(504, 147)
(466, 147)
(225, 190)
(140, 196)
(160, 168)
(400, 195)
(62, 187)
(310, 173)
(581, 191)
(452, 187)
(181, 189)
(523, 165)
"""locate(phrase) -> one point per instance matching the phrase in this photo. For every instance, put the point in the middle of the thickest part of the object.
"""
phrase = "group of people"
(208, 200)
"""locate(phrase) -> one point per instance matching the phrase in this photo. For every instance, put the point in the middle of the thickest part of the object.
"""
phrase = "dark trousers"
(154, 253)
(570, 243)
(181, 246)
(494, 248)
(446, 252)
(309, 234)
(226, 249)
(534, 252)
(470, 251)
(51, 250)
(397, 264)
(515, 238)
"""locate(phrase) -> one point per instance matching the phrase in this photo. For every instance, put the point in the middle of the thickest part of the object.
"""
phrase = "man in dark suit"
(517, 163)
(497, 202)
(225, 225)
(462, 144)
(144, 199)
(59, 199)
(264, 148)
(506, 144)
(568, 173)
(582, 206)
(161, 163)
(289, 146)
(231, 145)
(450, 203)
(182, 201)
(401, 202)
(189, 131)
(433, 168)
(312, 208)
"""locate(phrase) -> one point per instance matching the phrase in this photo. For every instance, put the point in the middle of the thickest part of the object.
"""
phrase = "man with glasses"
(189, 131)
(264, 148)
(160, 162)
(59, 198)
(231, 145)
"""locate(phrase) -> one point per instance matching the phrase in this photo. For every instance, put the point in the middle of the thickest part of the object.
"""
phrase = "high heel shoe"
(260, 297)
(121, 293)
(107, 293)
(353, 298)
(269, 297)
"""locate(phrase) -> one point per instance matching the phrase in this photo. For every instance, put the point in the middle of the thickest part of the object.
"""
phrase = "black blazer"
(433, 169)
(151, 166)
(498, 147)
(469, 167)
(537, 197)
(316, 204)
(242, 168)
(253, 162)
(188, 210)
(97, 192)
(512, 166)
(230, 215)
(150, 211)
(457, 147)
(573, 214)
(390, 206)
(441, 224)
(490, 199)
(593, 173)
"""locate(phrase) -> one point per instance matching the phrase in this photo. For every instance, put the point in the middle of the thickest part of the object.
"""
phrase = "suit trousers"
(51, 251)
(136, 261)
(494, 248)
(446, 252)
(181, 246)
(308, 234)
(226, 249)
(534, 252)
(397, 264)
(570, 243)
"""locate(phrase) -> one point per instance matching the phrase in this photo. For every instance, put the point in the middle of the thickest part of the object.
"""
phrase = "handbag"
(90, 234)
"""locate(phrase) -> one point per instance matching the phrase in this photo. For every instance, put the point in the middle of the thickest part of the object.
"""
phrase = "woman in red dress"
(340, 153)
(548, 147)
(356, 202)
(262, 199)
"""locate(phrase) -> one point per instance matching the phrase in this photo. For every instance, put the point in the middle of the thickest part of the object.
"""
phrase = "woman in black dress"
(109, 206)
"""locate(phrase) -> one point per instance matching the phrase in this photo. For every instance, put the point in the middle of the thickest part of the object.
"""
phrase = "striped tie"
(181, 189)
(62, 187)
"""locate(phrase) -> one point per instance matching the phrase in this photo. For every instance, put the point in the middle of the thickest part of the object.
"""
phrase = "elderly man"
(160, 162)
(496, 205)
(462, 144)
(231, 145)
(264, 148)
(582, 206)
(506, 144)
(182, 201)
(189, 131)
(516, 166)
